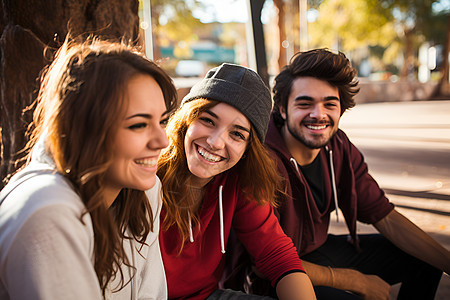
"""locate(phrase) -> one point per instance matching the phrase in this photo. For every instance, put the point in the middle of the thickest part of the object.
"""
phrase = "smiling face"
(312, 113)
(139, 138)
(216, 141)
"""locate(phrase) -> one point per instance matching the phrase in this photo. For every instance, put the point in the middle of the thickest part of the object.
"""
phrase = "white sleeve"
(51, 257)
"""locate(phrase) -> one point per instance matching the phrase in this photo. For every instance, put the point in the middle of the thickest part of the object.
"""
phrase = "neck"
(199, 183)
(110, 194)
(197, 191)
(302, 154)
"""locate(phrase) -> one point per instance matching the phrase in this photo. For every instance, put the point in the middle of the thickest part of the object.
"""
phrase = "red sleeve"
(258, 229)
(372, 202)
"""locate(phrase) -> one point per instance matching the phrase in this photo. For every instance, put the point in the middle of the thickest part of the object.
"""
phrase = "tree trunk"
(155, 24)
(295, 11)
(27, 27)
(408, 66)
(442, 89)
(282, 61)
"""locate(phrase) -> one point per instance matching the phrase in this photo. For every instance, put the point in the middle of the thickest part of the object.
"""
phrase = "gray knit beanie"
(239, 87)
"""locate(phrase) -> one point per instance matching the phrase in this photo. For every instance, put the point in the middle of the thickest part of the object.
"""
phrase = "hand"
(372, 287)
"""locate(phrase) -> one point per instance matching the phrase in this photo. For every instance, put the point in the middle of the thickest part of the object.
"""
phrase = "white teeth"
(208, 156)
(318, 127)
(147, 162)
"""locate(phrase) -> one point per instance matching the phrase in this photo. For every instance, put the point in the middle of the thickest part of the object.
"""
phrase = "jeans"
(379, 257)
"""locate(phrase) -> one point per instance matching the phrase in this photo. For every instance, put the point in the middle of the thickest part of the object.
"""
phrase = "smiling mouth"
(148, 163)
(208, 156)
(316, 127)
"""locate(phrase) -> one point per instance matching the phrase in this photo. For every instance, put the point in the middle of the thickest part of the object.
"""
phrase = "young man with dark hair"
(323, 171)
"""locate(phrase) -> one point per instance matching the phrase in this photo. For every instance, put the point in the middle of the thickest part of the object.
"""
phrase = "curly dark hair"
(335, 68)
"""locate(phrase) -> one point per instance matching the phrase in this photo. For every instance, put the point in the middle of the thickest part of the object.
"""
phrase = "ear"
(282, 112)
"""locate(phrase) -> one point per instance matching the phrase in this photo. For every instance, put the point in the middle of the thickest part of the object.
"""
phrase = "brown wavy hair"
(257, 171)
(82, 95)
(334, 68)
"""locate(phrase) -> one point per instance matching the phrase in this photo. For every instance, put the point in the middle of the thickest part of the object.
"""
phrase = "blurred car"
(190, 68)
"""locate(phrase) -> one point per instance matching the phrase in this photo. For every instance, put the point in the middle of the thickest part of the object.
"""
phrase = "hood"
(275, 141)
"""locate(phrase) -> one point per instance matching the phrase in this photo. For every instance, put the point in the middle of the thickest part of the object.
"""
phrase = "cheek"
(238, 152)
(187, 139)
(193, 132)
(336, 116)
(122, 150)
(295, 116)
(128, 148)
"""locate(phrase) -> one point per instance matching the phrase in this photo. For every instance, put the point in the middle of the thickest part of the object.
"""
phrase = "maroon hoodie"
(195, 272)
(358, 195)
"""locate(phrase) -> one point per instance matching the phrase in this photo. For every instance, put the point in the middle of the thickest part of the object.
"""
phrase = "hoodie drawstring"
(333, 182)
(333, 179)
(191, 236)
(294, 162)
(222, 239)
(222, 236)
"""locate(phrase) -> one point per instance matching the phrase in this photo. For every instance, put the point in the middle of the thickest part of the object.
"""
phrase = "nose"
(317, 112)
(216, 139)
(158, 139)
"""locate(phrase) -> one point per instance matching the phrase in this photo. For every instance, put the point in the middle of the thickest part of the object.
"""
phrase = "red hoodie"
(358, 195)
(195, 273)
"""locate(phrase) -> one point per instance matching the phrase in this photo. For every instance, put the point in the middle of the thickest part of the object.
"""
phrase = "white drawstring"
(222, 240)
(333, 180)
(333, 183)
(294, 162)
(191, 236)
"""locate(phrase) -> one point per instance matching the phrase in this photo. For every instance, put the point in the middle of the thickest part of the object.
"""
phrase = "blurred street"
(407, 148)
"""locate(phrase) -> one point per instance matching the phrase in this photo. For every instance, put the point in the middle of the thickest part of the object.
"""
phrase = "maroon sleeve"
(372, 202)
(258, 229)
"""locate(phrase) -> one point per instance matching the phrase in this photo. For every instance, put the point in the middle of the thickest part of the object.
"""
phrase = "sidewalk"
(408, 129)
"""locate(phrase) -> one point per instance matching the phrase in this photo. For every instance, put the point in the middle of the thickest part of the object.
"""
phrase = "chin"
(148, 184)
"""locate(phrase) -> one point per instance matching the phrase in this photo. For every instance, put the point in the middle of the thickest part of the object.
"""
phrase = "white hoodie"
(47, 244)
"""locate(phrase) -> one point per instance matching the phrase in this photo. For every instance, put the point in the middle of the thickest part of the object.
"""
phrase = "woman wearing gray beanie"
(216, 176)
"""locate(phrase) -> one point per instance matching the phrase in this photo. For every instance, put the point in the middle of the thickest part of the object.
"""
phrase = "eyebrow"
(235, 125)
(147, 116)
(211, 113)
(242, 128)
(309, 98)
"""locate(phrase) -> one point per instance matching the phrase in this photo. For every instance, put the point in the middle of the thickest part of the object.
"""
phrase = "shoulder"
(41, 190)
(340, 137)
(341, 142)
(43, 207)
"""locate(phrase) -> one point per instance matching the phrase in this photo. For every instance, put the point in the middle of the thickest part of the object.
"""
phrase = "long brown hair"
(82, 95)
(257, 172)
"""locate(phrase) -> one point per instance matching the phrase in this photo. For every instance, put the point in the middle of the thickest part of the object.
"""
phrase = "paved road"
(407, 148)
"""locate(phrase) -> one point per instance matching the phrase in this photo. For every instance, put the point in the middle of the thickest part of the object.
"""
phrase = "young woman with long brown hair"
(216, 176)
(81, 220)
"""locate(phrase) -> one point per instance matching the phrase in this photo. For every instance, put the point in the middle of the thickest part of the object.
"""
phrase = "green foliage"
(350, 24)
(173, 21)
(419, 17)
